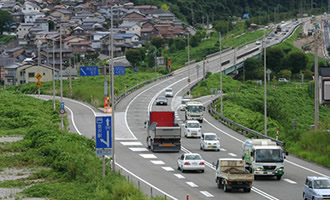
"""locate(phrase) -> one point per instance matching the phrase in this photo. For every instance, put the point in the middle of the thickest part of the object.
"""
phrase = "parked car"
(161, 100)
(168, 92)
(191, 161)
(210, 141)
(283, 80)
(192, 128)
(316, 188)
(183, 104)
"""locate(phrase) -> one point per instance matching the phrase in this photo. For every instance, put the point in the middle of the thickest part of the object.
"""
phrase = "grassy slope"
(70, 168)
(5, 39)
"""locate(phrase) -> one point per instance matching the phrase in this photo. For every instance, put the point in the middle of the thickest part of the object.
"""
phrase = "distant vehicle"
(192, 128)
(192, 162)
(316, 188)
(279, 28)
(263, 157)
(194, 111)
(168, 92)
(209, 141)
(184, 104)
(282, 22)
(231, 174)
(287, 30)
(283, 80)
(276, 38)
(161, 100)
(258, 42)
(164, 134)
(283, 33)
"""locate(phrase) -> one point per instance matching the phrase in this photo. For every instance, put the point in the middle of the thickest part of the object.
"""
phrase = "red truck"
(164, 134)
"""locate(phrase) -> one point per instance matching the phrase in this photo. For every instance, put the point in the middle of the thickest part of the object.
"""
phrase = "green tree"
(221, 26)
(51, 25)
(157, 42)
(296, 61)
(5, 21)
(164, 7)
(285, 74)
(194, 41)
(133, 56)
(151, 60)
(274, 59)
(252, 66)
(180, 44)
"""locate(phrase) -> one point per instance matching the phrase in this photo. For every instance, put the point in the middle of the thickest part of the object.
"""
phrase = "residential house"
(119, 45)
(18, 17)
(78, 31)
(72, 39)
(96, 39)
(134, 15)
(32, 16)
(145, 8)
(64, 14)
(15, 52)
(66, 55)
(5, 60)
(160, 16)
(118, 14)
(23, 30)
(29, 7)
(148, 33)
(165, 30)
(10, 6)
(81, 8)
(131, 27)
(82, 47)
(131, 39)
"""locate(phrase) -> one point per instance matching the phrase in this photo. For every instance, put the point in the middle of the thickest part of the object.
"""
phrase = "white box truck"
(263, 157)
(194, 111)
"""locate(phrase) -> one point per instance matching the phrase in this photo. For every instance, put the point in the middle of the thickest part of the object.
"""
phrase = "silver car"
(161, 100)
(191, 161)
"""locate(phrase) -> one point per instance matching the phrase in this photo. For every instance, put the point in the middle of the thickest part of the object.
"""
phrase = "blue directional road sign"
(89, 71)
(103, 132)
(62, 104)
(119, 70)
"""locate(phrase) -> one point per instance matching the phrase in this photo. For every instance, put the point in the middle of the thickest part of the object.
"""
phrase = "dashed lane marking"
(191, 184)
(157, 162)
(148, 156)
(138, 149)
(232, 154)
(179, 176)
(290, 181)
(131, 143)
(222, 149)
(206, 193)
(169, 169)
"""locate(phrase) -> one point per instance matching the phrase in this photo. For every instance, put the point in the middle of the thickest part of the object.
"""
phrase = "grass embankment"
(5, 39)
(89, 89)
(285, 102)
(234, 38)
(65, 165)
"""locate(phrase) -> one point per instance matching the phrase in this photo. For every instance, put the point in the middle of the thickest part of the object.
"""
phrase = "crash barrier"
(243, 129)
(218, 53)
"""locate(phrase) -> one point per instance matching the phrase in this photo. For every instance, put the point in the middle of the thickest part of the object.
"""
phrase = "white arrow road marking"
(131, 143)
(206, 193)
(290, 181)
(169, 169)
(232, 154)
(148, 155)
(157, 162)
(138, 149)
(179, 176)
(192, 184)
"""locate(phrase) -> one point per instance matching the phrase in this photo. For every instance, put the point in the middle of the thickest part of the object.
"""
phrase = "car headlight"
(260, 168)
(281, 169)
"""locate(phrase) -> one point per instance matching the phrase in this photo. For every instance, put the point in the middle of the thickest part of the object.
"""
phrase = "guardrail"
(243, 129)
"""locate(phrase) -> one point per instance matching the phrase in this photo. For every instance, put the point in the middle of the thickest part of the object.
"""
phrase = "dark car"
(161, 100)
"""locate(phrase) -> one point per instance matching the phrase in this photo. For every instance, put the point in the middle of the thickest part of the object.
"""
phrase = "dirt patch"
(308, 41)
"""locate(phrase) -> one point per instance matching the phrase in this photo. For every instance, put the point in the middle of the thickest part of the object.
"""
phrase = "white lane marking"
(138, 149)
(290, 181)
(179, 176)
(182, 124)
(222, 149)
(305, 168)
(264, 194)
(192, 184)
(157, 162)
(169, 169)
(148, 156)
(166, 194)
(232, 154)
(206, 193)
(131, 143)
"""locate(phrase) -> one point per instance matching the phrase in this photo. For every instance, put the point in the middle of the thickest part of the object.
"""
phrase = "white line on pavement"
(148, 156)
(157, 162)
(169, 169)
(232, 154)
(191, 184)
(131, 143)
(290, 181)
(206, 193)
(138, 149)
(179, 176)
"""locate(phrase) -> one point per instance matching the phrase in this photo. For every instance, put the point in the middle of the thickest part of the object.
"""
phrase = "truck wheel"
(219, 183)
(225, 188)
(255, 177)
(247, 189)
(279, 177)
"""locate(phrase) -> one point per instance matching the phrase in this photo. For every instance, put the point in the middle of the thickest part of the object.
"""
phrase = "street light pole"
(113, 97)
(265, 83)
(39, 45)
(61, 82)
(316, 84)
(188, 66)
(221, 109)
(54, 105)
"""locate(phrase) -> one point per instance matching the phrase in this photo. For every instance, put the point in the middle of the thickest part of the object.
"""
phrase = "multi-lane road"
(159, 170)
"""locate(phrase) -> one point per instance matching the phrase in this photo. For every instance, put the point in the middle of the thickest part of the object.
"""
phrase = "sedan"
(161, 100)
(191, 161)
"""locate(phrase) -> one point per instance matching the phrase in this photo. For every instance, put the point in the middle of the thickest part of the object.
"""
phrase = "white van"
(210, 141)
(192, 128)
(168, 92)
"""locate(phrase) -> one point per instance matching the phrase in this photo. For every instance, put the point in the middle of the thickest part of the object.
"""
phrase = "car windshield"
(195, 108)
(184, 102)
(168, 90)
(322, 184)
(193, 157)
(161, 98)
(269, 155)
(210, 137)
(193, 125)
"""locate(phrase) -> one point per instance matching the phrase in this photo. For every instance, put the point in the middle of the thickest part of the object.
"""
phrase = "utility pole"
(113, 97)
(70, 81)
(265, 83)
(316, 75)
(221, 109)
(39, 46)
(61, 72)
(54, 104)
(188, 66)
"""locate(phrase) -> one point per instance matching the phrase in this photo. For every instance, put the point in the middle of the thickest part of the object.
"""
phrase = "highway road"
(159, 170)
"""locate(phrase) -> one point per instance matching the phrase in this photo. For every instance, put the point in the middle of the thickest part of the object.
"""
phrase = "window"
(43, 74)
(31, 74)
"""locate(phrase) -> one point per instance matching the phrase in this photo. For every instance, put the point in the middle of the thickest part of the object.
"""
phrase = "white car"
(168, 92)
(283, 80)
(258, 42)
(192, 128)
(210, 141)
(183, 104)
(191, 161)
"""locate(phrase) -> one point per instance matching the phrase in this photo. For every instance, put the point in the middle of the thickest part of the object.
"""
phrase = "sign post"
(38, 76)
(89, 71)
(103, 137)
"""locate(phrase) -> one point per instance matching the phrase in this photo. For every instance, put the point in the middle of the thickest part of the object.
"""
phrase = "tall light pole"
(113, 97)
(54, 104)
(188, 66)
(221, 109)
(61, 73)
(39, 46)
(316, 75)
(265, 83)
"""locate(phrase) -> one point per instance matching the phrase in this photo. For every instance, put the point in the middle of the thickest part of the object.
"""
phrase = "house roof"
(148, 29)
(125, 35)
(325, 71)
(127, 24)
(245, 15)
(64, 11)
